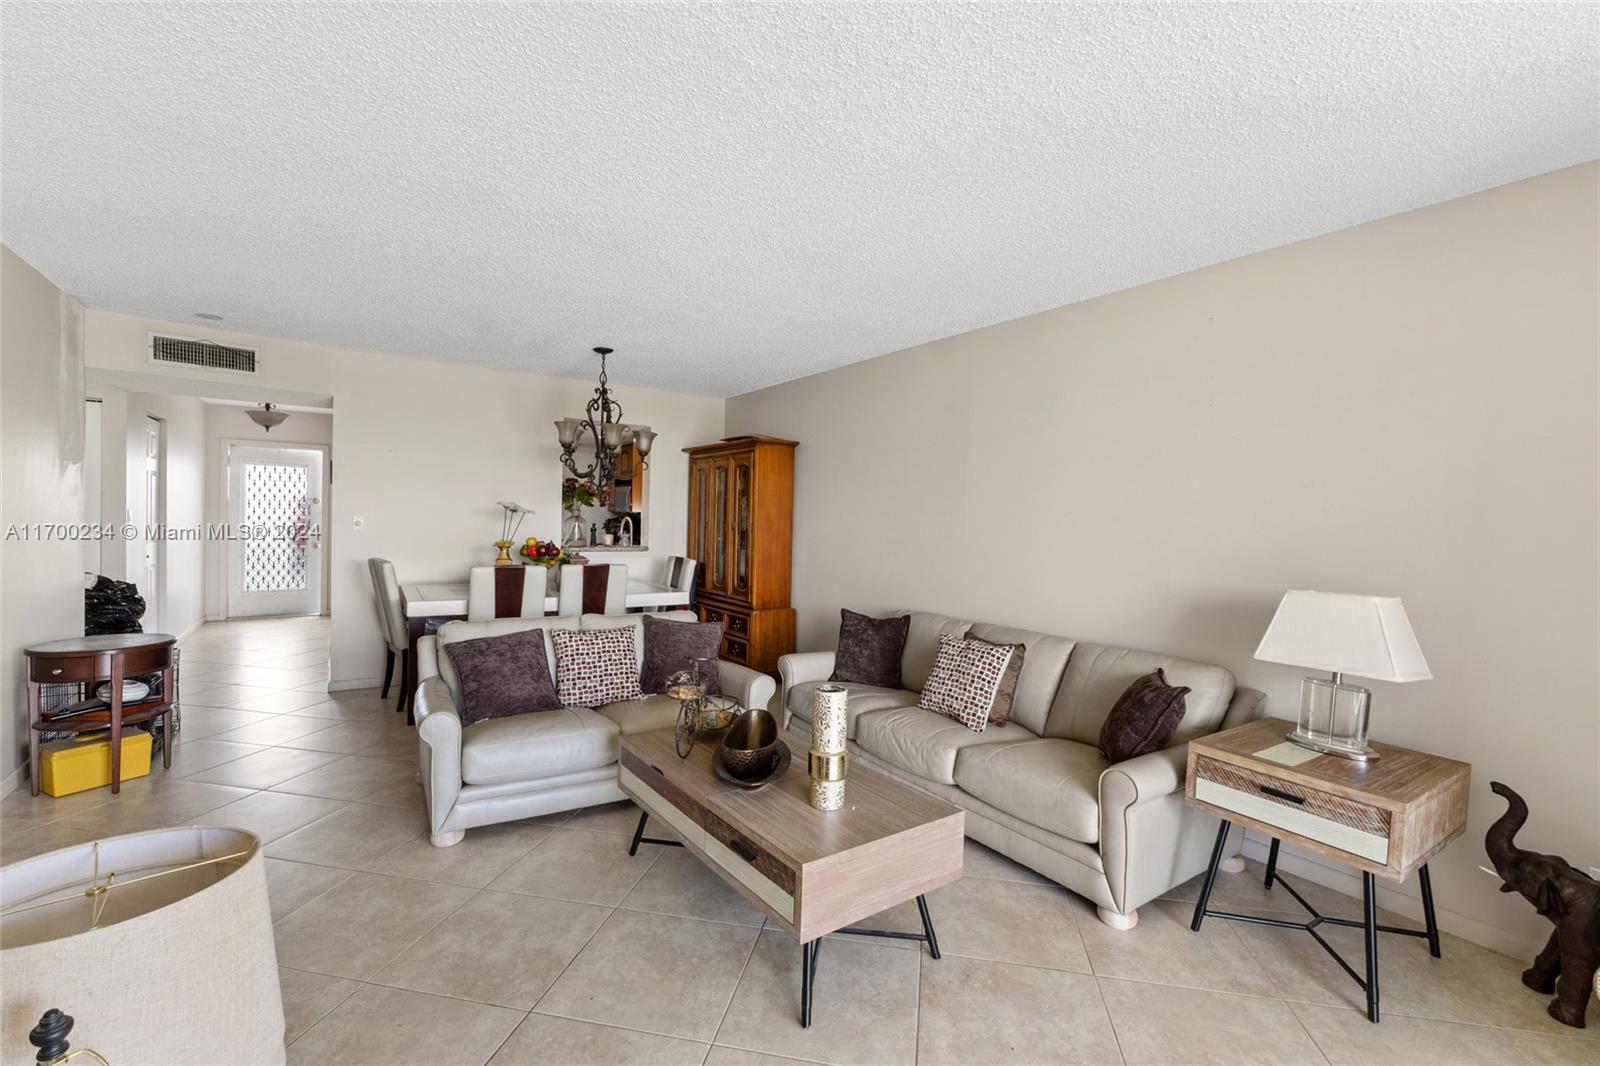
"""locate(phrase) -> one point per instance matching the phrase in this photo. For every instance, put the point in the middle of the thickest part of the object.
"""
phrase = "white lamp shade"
(181, 967)
(1369, 636)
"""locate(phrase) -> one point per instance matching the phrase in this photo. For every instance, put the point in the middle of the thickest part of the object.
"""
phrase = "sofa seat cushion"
(925, 743)
(1053, 784)
(863, 700)
(642, 715)
(526, 747)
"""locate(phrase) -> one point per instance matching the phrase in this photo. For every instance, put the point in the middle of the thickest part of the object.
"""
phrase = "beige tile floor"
(543, 942)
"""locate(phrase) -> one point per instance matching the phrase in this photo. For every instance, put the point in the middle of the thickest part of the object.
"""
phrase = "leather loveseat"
(1037, 789)
(542, 762)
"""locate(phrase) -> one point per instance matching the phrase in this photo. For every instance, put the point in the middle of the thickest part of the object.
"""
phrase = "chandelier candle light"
(1369, 636)
(828, 761)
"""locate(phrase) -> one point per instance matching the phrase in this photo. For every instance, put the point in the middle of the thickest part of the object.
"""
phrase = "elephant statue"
(1568, 897)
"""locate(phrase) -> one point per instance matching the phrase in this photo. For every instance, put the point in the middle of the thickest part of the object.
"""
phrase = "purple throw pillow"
(502, 675)
(1144, 718)
(672, 646)
(870, 649)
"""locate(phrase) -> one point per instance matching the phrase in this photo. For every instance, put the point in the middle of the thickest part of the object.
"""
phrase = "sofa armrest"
(750, 687)
(439, 730)
(427, 658)
(797, 669)
(1138, 780)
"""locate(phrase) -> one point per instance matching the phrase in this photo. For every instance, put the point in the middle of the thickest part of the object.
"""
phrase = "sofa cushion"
(1098, 674)
(869, 649)
(863, 700)
(526, 747)
(460, 629)
(922, 645)
(508, 674)
(1053, 784)
(924, 743)
(642, 715)
(1044, 661)
(671, 646)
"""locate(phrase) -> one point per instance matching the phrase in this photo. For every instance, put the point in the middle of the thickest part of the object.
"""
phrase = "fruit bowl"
(544, 553)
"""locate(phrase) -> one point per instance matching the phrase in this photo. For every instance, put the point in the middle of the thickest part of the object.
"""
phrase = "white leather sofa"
(526, 765)
(1037, 789)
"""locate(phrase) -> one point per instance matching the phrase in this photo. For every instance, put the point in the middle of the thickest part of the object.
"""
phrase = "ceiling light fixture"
(266, 416)
(602, 421)
(208, 316)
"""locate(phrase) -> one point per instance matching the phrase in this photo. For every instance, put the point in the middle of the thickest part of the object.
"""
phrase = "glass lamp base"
(1333, 719)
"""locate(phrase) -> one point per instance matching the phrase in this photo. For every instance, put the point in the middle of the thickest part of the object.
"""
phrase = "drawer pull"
(1280, 794)
(743, 850)
(55, 672)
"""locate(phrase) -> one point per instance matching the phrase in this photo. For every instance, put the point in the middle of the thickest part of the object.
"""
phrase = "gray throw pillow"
(502, 675)
(672, 646)
(1144, 718)
(870, 649)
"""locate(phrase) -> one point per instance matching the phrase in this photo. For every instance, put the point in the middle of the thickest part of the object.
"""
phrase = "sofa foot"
(1233, 864)
(447, 840)
(1122, 922)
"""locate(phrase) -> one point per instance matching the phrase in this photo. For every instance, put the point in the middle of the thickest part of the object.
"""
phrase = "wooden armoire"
(741, 527)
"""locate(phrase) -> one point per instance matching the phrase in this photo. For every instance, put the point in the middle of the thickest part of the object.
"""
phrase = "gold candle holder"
(828, 761)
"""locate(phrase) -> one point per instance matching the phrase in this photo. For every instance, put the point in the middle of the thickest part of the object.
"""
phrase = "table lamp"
(1369, 636)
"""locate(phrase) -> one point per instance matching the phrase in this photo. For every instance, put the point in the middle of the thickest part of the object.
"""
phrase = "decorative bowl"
(746, 748)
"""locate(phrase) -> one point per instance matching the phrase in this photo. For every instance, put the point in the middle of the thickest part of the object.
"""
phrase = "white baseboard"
(357, 682)
(216, 618)
(1346, 879)
(12, 781)
(187, 633)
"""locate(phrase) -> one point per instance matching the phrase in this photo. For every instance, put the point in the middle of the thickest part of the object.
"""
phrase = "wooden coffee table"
(812, 872)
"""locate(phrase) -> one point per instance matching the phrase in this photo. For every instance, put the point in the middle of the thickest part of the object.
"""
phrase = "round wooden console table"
(88, 661)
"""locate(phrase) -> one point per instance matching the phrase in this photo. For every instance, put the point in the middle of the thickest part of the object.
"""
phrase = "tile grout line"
(733, 994)
(1105, 1009)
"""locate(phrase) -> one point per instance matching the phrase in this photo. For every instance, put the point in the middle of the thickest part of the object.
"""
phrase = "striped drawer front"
(1333, 820)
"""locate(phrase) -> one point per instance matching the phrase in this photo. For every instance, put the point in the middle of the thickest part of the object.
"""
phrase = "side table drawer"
(1346, 824)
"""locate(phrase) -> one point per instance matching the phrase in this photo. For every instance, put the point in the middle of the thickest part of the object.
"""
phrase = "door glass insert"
(741, 526)
(720, 556)
(276, 505)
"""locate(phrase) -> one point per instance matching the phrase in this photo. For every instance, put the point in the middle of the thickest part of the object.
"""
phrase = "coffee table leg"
(808, 976)
(927, 926)
(1211, 876)
(640, 838)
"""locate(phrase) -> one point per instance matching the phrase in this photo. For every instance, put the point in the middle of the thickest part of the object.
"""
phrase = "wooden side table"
(1386, 818)
(87, 661)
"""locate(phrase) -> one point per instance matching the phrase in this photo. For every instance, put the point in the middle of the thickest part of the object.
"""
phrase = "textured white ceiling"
(733, 195)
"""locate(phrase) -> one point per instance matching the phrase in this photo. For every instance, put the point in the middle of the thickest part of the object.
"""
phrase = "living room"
(1160, 464)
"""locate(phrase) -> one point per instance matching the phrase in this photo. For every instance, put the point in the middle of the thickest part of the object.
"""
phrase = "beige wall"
(1407, 407)
(41, 480)
(423, 450)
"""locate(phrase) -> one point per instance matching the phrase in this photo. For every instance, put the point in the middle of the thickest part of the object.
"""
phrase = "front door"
(275, 545)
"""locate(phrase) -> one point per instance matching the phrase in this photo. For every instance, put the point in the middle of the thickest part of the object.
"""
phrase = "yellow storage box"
(84, 762)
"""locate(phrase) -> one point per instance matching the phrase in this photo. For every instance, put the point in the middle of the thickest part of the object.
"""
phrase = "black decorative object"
(1569, 898)
(111, 606)
(50, 1036)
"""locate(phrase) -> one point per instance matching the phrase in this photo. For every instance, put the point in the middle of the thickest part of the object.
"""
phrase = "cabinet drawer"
(738, 623)
(711, 614)
(49, 671)
(751, 854)
(734, 650)
(1346, 824)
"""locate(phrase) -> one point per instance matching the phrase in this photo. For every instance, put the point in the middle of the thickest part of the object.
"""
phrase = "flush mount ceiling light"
(208, 316)
(602, 422)
(266, 416)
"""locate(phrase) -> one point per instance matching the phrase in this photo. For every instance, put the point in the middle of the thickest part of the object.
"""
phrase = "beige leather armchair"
(526, 765)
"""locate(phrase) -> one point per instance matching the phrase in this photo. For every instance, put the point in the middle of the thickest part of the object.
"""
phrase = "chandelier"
(602, 425)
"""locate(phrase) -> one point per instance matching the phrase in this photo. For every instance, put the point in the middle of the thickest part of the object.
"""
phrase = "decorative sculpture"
(1568, 897)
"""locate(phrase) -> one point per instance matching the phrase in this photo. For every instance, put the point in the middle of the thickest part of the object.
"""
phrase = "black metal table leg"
(927, 926)
(1272, 861)
(640, 838)
(1369, 894)
(1211, 875)
(808, 974)
(812, 948)
(1428, 918)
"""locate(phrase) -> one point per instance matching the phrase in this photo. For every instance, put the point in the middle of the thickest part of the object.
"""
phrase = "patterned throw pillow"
(870, 649)
(595, 666)
(966, 679)
(502, 675)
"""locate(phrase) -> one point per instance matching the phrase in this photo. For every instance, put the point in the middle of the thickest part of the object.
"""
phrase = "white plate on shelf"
(132, 691)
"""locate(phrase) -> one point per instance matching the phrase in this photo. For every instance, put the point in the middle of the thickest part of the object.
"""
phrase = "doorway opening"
(275, 515)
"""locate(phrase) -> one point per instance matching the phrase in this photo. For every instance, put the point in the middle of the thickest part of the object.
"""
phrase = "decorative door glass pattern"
(719, 556)
(276, 503)
(741, 526)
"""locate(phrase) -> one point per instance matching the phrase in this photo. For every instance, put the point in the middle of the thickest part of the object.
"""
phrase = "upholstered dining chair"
(505, 592)
(680, 574)
(391, 619)
(599, 588)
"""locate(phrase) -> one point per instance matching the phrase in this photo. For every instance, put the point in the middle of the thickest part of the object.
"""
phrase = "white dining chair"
(505, 592)
(392, 623)
(680, 577)
(599, 588)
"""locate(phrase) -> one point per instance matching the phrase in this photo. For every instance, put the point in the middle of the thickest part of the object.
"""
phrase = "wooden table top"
(780, 814)
(104, 643)
(1398, 779)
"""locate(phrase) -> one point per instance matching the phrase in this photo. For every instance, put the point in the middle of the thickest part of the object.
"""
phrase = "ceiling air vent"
(201, 354)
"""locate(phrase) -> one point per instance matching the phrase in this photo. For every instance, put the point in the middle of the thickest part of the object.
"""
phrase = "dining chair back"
(391, 619)
(599, 588)
(680, 574)
(505, 592)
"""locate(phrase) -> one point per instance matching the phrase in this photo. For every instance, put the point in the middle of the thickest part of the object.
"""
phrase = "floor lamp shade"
(173, 964)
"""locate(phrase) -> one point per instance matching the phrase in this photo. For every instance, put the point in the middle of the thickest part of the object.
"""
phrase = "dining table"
(446, 601)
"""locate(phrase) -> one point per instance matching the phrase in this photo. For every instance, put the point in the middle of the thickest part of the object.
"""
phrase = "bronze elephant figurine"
(1570, 898)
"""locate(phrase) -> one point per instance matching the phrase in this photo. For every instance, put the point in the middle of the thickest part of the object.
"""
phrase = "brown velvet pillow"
(870, 649)
(1144, 718)
(672, 646)
(1000, 709)
(502, 675)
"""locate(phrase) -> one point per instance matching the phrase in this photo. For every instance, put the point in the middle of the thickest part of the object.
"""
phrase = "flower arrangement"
(575, 494)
